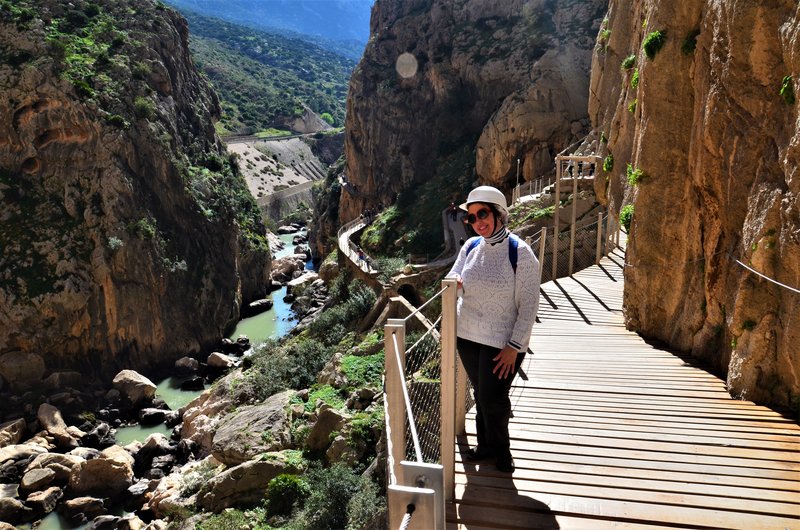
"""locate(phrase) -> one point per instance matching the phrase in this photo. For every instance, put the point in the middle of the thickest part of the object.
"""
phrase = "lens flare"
(406, 65)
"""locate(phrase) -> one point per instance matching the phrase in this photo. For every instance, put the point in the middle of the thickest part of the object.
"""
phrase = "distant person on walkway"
(498, 275)
(453, 210)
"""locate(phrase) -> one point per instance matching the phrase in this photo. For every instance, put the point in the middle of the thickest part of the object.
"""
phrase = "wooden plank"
(662, 430)
(688, 488)
(675, 413)
(677, 448)
(615, 467)
(671, 509)
(709, 464)
(660, 418)
(478, 517)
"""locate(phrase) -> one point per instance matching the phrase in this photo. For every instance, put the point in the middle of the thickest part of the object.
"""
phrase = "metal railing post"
(453, 407)
(608, 239)
(573, 219)
(542, 247)
(598, 253)
(393, 380)
(557, 205)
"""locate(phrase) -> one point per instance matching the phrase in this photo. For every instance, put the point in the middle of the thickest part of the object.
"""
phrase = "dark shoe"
(477, 454)
(505, 464)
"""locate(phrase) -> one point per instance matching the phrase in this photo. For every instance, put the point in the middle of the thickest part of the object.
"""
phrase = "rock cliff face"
(128, 238)
(718, 146)
(506, 79)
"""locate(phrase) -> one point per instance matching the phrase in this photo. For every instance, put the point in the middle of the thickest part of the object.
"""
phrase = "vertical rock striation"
(128, 238)
(718, 148)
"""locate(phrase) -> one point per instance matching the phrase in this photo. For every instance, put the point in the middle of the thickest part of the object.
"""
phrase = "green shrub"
(628, 62)
(285, 493)
(367, 505)
(625, 217)
(608, 163)
(140, 70)
(653, 43)
(144, 228)
(117, 121)
(603, 137)
(635, 79)
(635, 176)
(388, 267)
(787, 90)
(331, 492)
(327, 117)
(632, 106)
(143, 108)
(690, 42)
(293, 365)
(82, 88)
(333, 323)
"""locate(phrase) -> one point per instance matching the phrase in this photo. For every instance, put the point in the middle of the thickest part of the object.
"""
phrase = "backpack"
(513, 244)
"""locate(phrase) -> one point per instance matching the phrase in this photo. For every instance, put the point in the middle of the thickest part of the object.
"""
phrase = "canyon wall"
(500, 80)
(711, 135)
(128, 236)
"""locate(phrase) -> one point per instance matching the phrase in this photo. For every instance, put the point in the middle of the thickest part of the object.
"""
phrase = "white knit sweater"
(497, 306)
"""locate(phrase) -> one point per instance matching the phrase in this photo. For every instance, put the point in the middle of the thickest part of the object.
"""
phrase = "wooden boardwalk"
(611, 432)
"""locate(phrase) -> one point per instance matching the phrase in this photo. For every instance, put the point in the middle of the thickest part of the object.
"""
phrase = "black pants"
(491, 395)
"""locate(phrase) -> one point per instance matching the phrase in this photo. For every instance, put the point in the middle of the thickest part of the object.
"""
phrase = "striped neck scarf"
(499, 235)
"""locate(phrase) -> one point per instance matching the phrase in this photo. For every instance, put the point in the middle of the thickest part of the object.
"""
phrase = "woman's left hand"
(506, 360)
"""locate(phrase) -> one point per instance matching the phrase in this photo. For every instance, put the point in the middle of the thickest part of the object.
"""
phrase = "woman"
(498, 275)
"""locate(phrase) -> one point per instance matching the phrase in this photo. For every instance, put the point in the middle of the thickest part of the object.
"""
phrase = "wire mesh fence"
(584, 252)
(422, 376)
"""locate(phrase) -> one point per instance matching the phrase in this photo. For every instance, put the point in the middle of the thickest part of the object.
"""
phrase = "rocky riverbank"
(58, 445)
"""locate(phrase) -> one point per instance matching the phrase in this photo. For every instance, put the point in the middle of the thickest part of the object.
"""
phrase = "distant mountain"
(336, 25)
(266, 80)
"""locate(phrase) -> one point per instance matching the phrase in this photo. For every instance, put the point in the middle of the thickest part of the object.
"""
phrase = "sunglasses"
(481, 214)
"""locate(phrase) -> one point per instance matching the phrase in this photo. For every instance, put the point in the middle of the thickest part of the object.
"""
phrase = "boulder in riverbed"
(11, 432)
(134, 387)
(50, 419)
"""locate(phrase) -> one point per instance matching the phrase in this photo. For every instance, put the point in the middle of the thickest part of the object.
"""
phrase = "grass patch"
(608, 163)
(628, 62)
(653, 43)
(626, 216)
(787, 90)
(363, 370)
(266, 133)
(634, 176)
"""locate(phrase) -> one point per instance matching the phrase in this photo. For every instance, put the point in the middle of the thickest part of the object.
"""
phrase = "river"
(275, 323)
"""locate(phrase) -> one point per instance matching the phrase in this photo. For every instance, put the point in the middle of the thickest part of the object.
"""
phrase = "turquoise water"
(274, 323)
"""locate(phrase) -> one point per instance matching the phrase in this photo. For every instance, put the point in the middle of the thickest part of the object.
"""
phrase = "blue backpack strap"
(513, 245)
(473, 244)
